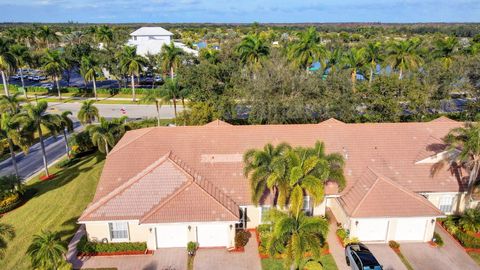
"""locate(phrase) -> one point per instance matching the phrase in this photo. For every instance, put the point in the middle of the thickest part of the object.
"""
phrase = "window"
(264, 212)
(445, 203)
(307, 207)
(134, 37)
(118, 230)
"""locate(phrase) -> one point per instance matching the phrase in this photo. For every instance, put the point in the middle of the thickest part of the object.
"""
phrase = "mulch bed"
(116, 253)
(46, 178)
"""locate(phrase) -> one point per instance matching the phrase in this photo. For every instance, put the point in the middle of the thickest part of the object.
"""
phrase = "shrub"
(394, 244)
(95, 247)
(10, 202)
(81, 142)
(349, 240)
(342, 233)
(192, 247)
(438, 239)
(467, 240)
(241, 238)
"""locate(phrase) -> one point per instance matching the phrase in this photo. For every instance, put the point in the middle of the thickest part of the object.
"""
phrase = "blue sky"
(240, 11)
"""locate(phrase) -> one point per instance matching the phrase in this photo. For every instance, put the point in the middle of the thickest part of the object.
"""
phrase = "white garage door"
(410, 229)
(372, 229)
(214, 235)
(171, 236)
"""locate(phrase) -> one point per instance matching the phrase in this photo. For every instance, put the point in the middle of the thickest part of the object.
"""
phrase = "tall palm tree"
(445, 50)
(404, 55)
(10, 104)
(252, 50)
(373, 57)
(39, 118)
(354, 60)
(54, 64)
(104, 34)
(88, 112)
(23, 60)
(307, 50)
(66, 125)
(7, 232)
(89, 68)
(171, 91)
(106, 133)
(463, 143)
(153, 96)
(131, 64)
(7, 62)
(265, 169)
(332, 60)
(47, 35)
(47, 251)
(296, 235)
(170, 58)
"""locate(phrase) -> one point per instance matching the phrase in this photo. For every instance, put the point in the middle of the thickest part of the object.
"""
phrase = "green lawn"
(475, 256)
(55, 207)
(277, 264)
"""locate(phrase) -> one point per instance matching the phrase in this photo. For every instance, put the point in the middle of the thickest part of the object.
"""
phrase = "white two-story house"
(150, 40)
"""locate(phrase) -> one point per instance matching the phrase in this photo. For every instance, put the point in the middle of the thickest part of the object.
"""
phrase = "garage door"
(411, 229)
(372, 229)
(171, 236)
(214, 235)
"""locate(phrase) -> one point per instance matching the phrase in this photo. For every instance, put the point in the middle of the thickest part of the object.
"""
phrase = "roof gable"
(217, 122)
(151, 31)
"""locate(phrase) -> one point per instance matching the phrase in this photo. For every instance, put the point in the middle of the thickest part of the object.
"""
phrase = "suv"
(359, 257)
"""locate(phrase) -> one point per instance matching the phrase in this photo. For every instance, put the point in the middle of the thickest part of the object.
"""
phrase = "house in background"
(170, 185)
(150, 40)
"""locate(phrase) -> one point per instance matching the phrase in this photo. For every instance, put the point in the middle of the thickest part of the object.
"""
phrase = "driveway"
(387, 257)
(450, 256)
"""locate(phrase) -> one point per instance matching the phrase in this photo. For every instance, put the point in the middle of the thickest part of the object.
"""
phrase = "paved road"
(114, 110)
(33, 162)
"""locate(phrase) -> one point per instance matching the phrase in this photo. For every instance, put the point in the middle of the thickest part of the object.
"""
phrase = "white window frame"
(113, 227)
(443, 203)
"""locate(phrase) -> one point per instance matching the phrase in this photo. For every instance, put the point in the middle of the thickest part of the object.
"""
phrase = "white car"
(49, 86)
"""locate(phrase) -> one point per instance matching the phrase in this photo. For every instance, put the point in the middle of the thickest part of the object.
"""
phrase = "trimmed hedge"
(467, 240)
(241, 238)
(84, 246)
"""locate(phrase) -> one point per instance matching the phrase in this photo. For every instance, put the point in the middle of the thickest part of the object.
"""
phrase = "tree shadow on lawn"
(64, 176)
(70, 228)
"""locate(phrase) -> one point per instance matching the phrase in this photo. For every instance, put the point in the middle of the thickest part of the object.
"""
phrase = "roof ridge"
(124, 186)
(230, 200)
(116, 149)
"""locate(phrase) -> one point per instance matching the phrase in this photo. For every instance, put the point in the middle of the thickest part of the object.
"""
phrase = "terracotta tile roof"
(217, 123)
(215, 152)
(374, 195)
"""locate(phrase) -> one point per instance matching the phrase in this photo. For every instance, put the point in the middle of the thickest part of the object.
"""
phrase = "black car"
(359, 257)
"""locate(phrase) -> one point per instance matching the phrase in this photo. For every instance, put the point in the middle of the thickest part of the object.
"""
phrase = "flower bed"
(86, 248)
(469, 241)
(10, 202)
(46, 178)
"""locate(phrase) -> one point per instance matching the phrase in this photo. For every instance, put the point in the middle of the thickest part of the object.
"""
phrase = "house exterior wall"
(319, 210)
(254, 215)
(338, 212)
(144, 38)
(458, 205)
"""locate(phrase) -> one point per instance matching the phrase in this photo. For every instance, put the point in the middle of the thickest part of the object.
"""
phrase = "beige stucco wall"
(254, 216)
(458, 201)
(338, 211)
(319, 210)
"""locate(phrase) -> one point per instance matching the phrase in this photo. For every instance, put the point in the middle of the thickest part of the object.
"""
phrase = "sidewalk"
(336, 249)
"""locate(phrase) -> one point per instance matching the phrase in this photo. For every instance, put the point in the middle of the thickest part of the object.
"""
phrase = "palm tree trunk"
(67, 149)
(106, 147)
(44, 155)
(184, 114)
(95, 89)
(175, 106)
(354, 80)
(158, 112)
(23, 84)
(133, 88)
(471, 184)
(371, 76)
(58, 88)
(400, 74)
(5, 87)
(12, 154)
(171, 72)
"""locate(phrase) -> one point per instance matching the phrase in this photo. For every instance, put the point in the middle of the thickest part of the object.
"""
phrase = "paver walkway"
(337, 250)
(450, 256)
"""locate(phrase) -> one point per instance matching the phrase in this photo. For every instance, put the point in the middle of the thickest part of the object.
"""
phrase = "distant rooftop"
(151, 31)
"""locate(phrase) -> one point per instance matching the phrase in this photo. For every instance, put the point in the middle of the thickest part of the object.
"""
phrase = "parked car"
(15, 77)
(158, 79)
(49, 86)
(359, 257)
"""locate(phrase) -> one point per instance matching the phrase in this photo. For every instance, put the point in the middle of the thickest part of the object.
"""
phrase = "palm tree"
(104, 34)
(404, 55)
(10, 104)
(23, 60)
(470, 220)
(39, 118)
(153, 96)
(171, 91)
(106, 133)
(66, 125)
(89, 68)
(296, 235)
(7, 62)
(307, 50)
(54, 64)
(47, 251)
(463, 143)
(445, 50)
(47, 35)
(252, 50)
(88, 112)
(265, 169)
(354, 60)
(131, 64)
(7, 232)
(333, 60)
(170, 58)
(373, 57)
(209, 54)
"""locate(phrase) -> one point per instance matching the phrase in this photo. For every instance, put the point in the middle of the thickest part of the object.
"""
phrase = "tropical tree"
(171, 91)
(7, 62)
(153, 96)
(404, 55)
(354, 60)
(445, 50)
(373, 57)
(88, 112)
(170, 58)
(10, 104)
(470, 220)
(47, 251)
(210, 55)
(307, 50)
(296, 234)
(104, 34)
(47, 35)
(265, 169)
(23, 59)
(131, 64)
(54, 64)
(333, 59)
(7, 232)
(39, 118)
(89, 68)
(106, 133)
(66, 125)
(252, 50)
